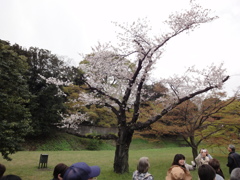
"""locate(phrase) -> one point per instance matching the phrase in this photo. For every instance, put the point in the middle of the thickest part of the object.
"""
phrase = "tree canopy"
(115, 75)
(30, 104)
(14, 97)
(195, 121)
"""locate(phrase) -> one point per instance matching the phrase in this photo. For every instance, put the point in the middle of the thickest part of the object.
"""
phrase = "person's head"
(231, 148)
(59, 170)
(235, 174)
(204, 153)
(2, 170)
(11, 177)
(200, 151)
(143, 165)
(179, 159)
(206, 172)
(215, 164)
(81, 171)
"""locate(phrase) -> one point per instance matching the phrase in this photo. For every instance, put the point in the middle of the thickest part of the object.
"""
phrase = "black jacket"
(233, 161)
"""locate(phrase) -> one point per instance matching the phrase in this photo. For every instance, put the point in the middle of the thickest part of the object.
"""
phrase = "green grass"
(68, 149)
(60, 141)
(25, 163)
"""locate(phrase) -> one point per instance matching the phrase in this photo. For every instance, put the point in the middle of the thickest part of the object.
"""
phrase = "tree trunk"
(194, 147)
(194, 152)
(122, 150)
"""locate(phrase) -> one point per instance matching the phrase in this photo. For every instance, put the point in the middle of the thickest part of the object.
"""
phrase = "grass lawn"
(25, 163)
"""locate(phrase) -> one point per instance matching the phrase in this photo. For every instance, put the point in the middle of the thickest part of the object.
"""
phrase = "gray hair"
(143, 165)
(232, 147)
(235, 174)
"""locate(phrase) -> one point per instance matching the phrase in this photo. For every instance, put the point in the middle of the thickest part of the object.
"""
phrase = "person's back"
(218, 177)
(142, 170)
(142, 176)
(235, 174)
(216, 166)
(233, 158)
(236, 158)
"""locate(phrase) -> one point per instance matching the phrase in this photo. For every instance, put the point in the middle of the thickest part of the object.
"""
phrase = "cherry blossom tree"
(116, 74)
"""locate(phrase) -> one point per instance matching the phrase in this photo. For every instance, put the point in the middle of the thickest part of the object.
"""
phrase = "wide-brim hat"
(177, 173)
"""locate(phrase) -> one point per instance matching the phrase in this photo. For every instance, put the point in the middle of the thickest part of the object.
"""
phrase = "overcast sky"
(70, 27)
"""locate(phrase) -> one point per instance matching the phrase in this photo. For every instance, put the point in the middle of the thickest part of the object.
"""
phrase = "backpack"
(236, 161)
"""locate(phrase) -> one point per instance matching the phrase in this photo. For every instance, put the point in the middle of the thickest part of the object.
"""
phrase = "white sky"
(70, 27)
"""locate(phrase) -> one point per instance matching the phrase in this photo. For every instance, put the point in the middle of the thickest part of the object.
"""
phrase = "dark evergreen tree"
(14, 98)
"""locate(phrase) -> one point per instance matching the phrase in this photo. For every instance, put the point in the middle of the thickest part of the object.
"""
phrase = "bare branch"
(150, 121)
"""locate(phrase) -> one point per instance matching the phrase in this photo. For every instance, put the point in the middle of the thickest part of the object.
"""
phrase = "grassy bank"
(25, 163)
(60, 141)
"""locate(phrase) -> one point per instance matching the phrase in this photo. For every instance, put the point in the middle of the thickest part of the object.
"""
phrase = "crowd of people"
(208, 169)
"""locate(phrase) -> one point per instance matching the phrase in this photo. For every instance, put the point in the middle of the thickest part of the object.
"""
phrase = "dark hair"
(176, 159)
(216, 166)
(59, 169)
(206, 172)
(143, 165)
(2, 170)
(11, 177)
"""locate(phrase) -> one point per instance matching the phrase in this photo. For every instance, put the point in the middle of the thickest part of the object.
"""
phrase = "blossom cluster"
(74, 120)
(117, 73)
(57, 82)
(194, 80)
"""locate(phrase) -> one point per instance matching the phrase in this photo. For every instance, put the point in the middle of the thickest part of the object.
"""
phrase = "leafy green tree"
(14, 96)
(229, 117)
(47, 101)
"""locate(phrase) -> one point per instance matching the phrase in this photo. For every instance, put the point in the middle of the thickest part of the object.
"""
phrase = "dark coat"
(233, 161)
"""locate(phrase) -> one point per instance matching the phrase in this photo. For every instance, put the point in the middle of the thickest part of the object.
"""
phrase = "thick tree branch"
(139, 125)
(133, 80)
(139, 44)
(114, 110)
(138, 95)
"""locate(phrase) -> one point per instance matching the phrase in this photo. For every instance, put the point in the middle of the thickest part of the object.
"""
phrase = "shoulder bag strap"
(147, 175)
